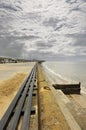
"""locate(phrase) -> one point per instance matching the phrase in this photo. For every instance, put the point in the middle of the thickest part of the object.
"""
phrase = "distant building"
(13, 60)
(7, 60)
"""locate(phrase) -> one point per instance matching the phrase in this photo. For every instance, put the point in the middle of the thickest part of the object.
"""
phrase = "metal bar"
(26, 118)
(14, 121)
(5, 119)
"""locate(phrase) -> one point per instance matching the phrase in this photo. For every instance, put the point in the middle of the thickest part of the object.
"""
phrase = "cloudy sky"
(43, 29)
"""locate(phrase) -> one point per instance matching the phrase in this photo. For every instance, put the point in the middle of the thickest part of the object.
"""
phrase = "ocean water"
(69, 72)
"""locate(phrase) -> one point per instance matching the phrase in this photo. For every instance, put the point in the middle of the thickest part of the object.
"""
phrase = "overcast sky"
(43, 29)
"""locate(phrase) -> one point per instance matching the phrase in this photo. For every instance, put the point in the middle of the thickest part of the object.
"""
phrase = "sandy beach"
(11, 78)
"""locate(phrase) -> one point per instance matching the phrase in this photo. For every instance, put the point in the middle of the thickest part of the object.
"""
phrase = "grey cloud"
(80, 39)
(75, 9)
(59, 26)
(75, 58)
(19, 1)
(79, 57)
(29, 37)
(52, 41)
(6, 22)
(84, 51)
(64, 24)
(43, 45)
(39, 55)
(77, 35)
(35, 54)
(9, 7)
(55, 23)
(39, 6)
(32, 16)
(78, 7)
(71, 1)
(11, 48)
(51, 22)
(24, 29)
(80, 42)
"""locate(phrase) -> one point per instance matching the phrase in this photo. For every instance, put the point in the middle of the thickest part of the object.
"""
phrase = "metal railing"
(23, 99)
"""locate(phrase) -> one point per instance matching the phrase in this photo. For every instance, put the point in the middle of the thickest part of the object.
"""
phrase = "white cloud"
(54, 23)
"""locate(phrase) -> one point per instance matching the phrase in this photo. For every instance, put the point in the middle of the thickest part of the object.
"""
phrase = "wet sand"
(11, 78)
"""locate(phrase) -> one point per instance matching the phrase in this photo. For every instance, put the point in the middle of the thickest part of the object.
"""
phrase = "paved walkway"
(81, 99)
(62, 101)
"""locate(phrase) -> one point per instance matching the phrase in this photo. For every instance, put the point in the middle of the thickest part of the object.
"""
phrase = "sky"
(43, 29)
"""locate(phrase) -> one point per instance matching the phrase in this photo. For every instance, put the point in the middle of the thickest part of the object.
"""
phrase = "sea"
(67, 72)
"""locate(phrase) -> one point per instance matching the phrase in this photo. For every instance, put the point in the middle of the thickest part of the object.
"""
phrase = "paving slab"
(81, 99)
(62, 101)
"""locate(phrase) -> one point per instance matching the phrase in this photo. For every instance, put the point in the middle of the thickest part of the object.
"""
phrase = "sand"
(11, 78)
(51, 117)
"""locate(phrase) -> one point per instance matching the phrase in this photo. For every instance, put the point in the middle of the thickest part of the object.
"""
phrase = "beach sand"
(11, 78)
(51, 117)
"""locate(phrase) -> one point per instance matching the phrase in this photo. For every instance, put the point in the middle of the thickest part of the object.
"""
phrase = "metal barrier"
(11, 118)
